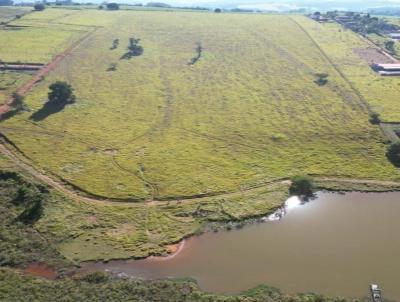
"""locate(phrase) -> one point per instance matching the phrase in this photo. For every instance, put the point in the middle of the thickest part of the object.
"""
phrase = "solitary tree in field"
(218, 10)
(61, 93)
(39, 7)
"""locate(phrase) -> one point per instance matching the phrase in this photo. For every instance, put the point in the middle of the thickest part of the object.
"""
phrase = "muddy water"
(336, 245)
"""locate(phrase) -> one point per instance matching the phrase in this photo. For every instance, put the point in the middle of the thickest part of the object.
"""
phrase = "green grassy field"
(247, 112)
(380, 92)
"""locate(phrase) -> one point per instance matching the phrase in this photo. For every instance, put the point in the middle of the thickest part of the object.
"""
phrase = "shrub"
(18, 102)
(112, 67)
(96, 277)
(32, 213)
(389, 45)
(322, 79)
(302, 185)
(374, 118)
(393, 154)
(217, 10)
(115, 44)
(39, 7)
(100, 7)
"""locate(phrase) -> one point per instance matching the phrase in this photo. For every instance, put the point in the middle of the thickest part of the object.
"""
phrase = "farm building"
(318, 17)
(395, 36)
(387, 69)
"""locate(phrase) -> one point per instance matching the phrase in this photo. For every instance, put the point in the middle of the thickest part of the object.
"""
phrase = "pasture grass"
(382, 93)
(249, 111)
(9, 83)
(82, 230)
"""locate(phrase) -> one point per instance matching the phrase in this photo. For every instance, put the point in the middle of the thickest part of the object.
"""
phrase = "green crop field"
(247, 113)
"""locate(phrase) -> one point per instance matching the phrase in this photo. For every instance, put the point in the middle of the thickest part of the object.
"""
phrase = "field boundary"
(25, 88)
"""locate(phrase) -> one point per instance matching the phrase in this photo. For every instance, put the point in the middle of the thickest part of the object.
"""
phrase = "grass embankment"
(249, 111)
(82, 230)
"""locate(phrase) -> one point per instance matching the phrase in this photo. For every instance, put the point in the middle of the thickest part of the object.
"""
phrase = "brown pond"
(336, 245)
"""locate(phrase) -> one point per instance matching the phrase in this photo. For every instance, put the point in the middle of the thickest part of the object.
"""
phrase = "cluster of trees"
(6, 2)
(134, 49)
(363, 23)
(39, 6)
(112, 6)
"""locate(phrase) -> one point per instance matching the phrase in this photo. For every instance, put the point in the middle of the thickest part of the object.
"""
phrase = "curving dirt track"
(79, 196)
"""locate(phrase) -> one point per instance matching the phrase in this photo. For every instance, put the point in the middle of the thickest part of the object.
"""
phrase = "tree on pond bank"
(302, 185)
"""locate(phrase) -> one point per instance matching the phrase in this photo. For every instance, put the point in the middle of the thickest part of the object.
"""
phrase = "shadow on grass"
(48, 109)
(9, 114)
(134, 52)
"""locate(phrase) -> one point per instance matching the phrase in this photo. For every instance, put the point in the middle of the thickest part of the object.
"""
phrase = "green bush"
(302, 185)
(374, 118)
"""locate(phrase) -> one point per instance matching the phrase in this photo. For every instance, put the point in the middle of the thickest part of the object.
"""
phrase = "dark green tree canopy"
(61, 93)
(39, 6)
(112, 6)
(302, 185)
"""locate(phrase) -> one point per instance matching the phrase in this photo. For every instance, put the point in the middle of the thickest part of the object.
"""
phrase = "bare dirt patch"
(372, 55)
(111, 152)
(41, 270)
